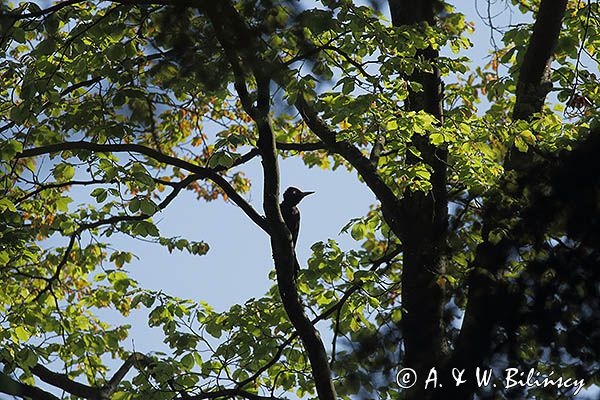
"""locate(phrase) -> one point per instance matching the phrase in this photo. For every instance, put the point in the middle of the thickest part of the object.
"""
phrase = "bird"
(291, 215)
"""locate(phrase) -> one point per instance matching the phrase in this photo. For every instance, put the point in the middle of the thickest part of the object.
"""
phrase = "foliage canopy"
(480, 250)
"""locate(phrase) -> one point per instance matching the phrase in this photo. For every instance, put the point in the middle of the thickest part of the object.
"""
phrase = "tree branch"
(301, 146)
(271, 362)
(231, 393)
(487, 298)
(45, 11)
(135, 358)
(232, 34)
(201, 172)
(14, 388)
(364, 167)
(81, 84)
(424, 236)
(57, 185)
(59, 267)
(534, 74)
(386, 258)
(136, 61)
(62, 381)
(242, 159)
(67, 3)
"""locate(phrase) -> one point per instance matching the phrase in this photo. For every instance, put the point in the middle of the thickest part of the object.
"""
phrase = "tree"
(481, 249)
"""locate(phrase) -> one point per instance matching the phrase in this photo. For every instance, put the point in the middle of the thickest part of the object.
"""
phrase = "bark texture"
(425, 224)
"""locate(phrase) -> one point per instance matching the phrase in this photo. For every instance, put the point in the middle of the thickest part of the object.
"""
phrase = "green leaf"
(47, 47)
(520, 144)
(436, 138)
(358, 231)
(21, 333)
(134, 205)
(64, 172)
(220, 158)
(147, 206)
(188, 361)
(348, 87)
(6, 204)
(28, 358)
(9, 149)
(528, 136)
(99, 277)
(18, 34)
(62, 203)
(100, 194)
(19, 113)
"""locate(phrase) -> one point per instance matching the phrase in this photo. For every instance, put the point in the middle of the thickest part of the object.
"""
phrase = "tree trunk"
(424, 228)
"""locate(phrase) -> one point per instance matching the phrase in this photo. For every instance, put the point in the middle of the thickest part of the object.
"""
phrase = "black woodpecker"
(291, 215)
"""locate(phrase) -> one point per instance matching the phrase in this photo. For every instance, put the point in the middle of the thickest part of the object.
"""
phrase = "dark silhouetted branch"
(534, 74)
(67, 3)
(362, 164)
(238, 41)
(57, 185)
(63, 382)
(201, 172)
(15, 388)
(230, 393)
(486, 306)
(301, 146)
(135, 359)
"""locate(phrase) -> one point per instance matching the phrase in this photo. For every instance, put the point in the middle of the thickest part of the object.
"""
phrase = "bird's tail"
(296, 268)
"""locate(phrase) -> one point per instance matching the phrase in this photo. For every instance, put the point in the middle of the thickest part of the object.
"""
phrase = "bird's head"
(293, 195)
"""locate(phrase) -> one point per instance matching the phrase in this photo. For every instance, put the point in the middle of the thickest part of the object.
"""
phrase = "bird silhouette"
(291, 215)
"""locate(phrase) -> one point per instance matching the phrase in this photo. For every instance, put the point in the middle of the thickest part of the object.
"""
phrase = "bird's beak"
(304, 194)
